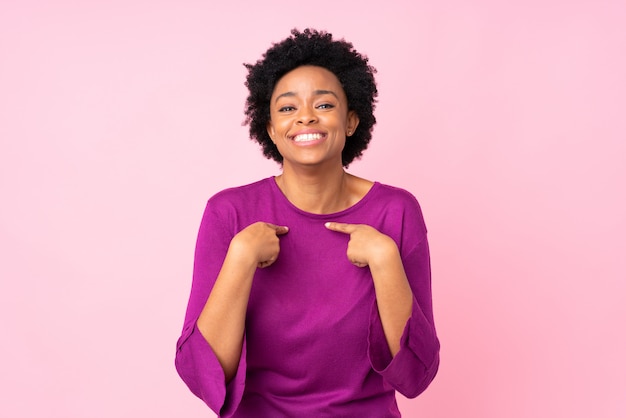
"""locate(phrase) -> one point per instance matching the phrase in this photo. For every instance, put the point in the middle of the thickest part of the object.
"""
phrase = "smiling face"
(309, 117)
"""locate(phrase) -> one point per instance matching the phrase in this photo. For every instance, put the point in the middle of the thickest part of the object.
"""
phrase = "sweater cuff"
(416, 362)
(198, 366)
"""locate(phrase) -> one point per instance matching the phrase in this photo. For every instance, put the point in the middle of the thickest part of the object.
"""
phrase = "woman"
(311, 292)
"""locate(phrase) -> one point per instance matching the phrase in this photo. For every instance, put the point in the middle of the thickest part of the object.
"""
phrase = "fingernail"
(327, 224)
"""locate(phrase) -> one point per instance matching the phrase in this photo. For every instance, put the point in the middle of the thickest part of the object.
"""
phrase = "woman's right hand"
(258, 244)
(222, 321)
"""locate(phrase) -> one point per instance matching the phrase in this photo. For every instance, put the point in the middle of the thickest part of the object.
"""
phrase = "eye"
(326, 106)
(286, 108)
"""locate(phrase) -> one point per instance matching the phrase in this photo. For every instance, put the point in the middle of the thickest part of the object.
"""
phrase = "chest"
(311, 296)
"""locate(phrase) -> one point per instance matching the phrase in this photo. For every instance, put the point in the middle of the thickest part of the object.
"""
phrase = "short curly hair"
(312, 47)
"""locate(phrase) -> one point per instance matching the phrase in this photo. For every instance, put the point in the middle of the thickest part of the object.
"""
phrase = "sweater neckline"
(282, 198)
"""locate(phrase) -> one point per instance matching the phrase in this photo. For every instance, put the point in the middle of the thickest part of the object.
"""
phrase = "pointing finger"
(280, 230)
(340, 227)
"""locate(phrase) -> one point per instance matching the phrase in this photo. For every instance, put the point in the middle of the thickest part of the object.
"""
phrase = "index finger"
(278, 228)
(340, 227)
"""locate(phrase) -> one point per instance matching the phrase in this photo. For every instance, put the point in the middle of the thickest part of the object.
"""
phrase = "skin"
(306, 100)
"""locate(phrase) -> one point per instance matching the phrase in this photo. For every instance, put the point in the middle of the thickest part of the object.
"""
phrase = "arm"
(394, 297)
(403, 345)
(222, 320)
(217, 255)
(368, 247)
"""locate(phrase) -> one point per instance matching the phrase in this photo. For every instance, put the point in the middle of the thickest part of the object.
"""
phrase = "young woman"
(311, 293)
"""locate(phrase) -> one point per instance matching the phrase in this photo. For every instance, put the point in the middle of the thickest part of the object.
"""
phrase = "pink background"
(118, 119)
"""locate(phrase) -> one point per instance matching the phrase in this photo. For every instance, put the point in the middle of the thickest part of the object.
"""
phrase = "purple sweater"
(314, 344)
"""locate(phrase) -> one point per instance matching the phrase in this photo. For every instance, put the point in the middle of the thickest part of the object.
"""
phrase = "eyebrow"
(315, 93)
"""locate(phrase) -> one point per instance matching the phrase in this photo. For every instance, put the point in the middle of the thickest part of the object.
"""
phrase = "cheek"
(276, 128)
(279, 125)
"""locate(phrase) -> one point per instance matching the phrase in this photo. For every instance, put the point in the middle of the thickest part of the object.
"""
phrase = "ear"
(270, 130)
(352, 122)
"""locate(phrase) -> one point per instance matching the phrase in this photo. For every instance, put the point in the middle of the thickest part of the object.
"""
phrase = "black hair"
(312, 47)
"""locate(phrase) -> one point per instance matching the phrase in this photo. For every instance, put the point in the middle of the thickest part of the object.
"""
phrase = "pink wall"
(118, 119)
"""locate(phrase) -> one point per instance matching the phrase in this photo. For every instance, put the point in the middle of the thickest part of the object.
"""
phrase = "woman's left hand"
(367, 246)
(394, 298)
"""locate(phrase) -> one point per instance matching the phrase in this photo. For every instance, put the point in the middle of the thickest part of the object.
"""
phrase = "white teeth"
(307, 137)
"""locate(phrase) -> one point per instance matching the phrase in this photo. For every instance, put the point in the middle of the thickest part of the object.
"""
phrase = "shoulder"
(399, 207)
(382, 193)
(395, 196)
(235, 205)
(235, 196)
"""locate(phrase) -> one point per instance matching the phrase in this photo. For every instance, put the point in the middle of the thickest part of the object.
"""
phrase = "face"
(309, 117)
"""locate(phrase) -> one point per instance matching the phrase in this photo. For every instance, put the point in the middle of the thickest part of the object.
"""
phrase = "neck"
(316, 191)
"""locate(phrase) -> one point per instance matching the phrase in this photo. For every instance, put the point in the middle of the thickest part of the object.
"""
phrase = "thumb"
(340, 227)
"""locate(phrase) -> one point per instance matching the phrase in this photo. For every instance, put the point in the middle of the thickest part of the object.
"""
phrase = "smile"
(308, 137)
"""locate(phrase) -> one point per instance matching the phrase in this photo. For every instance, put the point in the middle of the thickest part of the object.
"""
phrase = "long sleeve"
(416, 364)
(195, 361)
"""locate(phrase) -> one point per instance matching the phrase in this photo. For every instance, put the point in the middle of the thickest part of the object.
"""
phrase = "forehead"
(308, 78)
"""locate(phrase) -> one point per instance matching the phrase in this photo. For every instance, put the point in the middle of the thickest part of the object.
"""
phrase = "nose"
(306, 116)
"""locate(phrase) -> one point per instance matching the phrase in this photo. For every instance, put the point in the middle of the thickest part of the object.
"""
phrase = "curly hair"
(312, 47)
